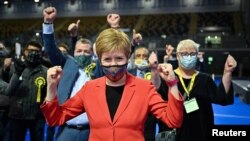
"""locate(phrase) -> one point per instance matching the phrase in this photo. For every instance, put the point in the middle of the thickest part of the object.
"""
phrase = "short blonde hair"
(188, 44)
(112, 40)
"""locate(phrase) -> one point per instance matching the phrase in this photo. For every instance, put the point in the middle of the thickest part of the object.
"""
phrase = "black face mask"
(33, 58)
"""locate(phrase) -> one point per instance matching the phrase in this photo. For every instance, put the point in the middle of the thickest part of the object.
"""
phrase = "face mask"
(115, 72)
(84, 60)
(188, 62)
(141, 64)
(33, 58)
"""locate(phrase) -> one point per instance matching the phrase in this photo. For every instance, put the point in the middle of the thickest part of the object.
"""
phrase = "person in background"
(4, 104)
(139, 65)
(63, 48)
(141, 68)
(27, 90)
(200, 65)
(119, 107)
(200, 91)
(170, 58)
(5, 63)
(51, 130)
(78, 69)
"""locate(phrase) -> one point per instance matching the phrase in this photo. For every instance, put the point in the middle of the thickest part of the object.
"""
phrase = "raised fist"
(137, 38)
(49, 14)
(230, 64)
(113, 20)
(166, 72)
(169, 49)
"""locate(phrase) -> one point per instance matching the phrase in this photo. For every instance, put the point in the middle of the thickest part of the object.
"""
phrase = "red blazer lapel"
(127, 95)
(101, 97)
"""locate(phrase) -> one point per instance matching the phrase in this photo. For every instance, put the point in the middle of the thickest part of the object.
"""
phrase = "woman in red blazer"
(117, 104)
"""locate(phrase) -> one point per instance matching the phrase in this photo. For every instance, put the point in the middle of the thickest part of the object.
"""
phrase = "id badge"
(191, 105)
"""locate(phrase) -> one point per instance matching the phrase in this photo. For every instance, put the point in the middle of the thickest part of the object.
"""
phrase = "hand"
(169, 50)
(54, 74)
(153, 61)
(200, 56)
(7, 63)
(53, 77)
(73, 28)
(230, 64)
(166, 72)
(19, 66)
(49, 14)
(113, 20)
(137, 38)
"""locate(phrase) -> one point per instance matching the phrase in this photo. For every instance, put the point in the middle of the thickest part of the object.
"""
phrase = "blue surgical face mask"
(115, 72)
(188, 62)
(141, 64)
(84, 60)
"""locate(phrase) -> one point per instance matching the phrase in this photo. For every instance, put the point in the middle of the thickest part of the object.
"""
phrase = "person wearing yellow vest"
(200, 92)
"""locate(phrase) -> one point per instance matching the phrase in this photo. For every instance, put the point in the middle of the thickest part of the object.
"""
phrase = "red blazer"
(139, 97)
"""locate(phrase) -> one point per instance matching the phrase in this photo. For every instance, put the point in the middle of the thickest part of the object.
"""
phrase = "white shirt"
(82, 79)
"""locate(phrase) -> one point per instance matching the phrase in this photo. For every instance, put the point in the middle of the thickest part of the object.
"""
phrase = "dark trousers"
(18, 129)
(4, 127)
(66, 133)
(50, 133)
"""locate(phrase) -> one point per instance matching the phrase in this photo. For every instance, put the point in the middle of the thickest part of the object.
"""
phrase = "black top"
(113, 95)
(197, 125)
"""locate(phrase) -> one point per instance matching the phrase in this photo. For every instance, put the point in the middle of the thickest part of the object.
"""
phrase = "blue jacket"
(69, 65)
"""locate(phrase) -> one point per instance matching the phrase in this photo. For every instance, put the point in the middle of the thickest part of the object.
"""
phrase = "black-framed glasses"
(187, 54)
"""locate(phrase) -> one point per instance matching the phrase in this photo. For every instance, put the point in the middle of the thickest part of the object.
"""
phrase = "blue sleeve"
(55, 55)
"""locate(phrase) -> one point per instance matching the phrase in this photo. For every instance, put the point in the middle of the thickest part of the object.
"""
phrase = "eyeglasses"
(187, 54)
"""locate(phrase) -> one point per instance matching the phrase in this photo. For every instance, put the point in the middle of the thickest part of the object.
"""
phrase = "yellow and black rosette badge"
(90, 68)
(147, 76)
(39, 82)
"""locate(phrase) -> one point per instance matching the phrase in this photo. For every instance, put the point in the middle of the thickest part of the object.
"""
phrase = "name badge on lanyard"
(191, 105)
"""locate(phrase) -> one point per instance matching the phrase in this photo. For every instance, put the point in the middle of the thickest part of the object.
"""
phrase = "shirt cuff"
(48, 29)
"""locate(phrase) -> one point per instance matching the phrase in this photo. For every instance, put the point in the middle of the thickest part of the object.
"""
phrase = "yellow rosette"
(39, 82)
(147, 76)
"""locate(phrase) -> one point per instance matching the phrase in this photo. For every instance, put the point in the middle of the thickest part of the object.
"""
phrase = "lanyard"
(191, 83)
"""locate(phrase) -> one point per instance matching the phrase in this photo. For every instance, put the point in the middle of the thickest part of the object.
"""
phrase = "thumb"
(134, 32)
(78, 23)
